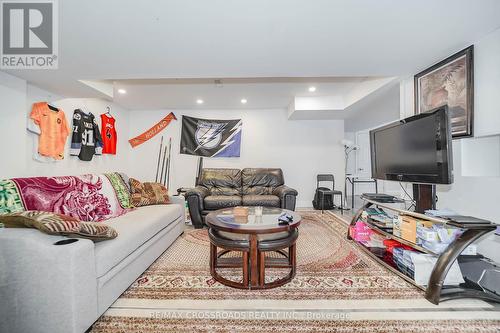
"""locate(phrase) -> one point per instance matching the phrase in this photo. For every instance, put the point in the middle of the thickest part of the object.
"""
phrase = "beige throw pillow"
(145, 194)
(58, 224)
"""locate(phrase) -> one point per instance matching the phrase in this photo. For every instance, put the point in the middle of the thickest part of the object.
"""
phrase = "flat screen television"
(416, 149)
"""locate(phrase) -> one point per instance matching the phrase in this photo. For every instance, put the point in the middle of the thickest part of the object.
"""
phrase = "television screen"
(416, 149)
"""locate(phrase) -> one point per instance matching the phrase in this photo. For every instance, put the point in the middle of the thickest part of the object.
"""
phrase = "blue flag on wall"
(211, 138)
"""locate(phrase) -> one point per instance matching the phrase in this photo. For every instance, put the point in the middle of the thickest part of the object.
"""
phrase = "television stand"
(355, 180)
(435, 290)
(424, 196)
(380, 197)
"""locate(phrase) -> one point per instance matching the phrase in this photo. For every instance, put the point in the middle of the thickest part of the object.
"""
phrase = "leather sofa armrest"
(287, 195)
(283, 190)
(199, 192)
(195, 197)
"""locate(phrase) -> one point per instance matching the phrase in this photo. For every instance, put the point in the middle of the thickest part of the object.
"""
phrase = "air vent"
(218, 83)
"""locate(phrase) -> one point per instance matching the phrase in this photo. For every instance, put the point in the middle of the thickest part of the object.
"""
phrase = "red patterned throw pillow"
(145, 194)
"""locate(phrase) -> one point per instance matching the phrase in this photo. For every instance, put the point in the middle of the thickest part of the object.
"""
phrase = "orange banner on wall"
(140, 139)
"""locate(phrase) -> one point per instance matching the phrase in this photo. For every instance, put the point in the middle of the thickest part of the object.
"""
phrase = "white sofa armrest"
(46, 287)
(179, 200)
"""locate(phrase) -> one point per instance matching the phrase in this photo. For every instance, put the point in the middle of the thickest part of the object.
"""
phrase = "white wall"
(351, 161)
(476, 196)
(12, 126)
(380, 109)
(487, 85)
(301, 148)
(376, 111)
(19, 145)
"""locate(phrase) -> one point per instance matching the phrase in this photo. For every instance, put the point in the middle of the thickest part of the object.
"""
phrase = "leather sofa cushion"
(221, 201)
(134, 229)
(261, 200)
(260, 180)
(221, 181)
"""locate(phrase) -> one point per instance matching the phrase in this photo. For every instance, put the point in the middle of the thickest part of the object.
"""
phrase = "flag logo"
(211, 138)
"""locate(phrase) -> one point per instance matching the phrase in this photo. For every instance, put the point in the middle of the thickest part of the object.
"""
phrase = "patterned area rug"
(329, 267)
(337, 288)
(135, 325)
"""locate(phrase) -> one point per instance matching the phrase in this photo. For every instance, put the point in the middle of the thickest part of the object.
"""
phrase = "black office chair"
(323, 192)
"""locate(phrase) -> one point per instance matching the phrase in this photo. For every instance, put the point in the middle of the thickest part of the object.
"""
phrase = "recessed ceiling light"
(199, 101)
(312, 89)
(243, 101)
(122, 91)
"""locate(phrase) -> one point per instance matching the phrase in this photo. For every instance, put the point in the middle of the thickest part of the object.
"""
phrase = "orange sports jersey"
(108, 133)
(53, 130)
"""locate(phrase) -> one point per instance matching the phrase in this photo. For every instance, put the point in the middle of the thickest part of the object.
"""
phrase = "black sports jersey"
(86, 139)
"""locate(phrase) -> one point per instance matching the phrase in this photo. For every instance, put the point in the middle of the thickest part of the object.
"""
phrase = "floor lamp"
(349, 146)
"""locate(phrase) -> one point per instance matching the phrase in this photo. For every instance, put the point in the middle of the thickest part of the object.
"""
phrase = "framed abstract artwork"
(450, 82)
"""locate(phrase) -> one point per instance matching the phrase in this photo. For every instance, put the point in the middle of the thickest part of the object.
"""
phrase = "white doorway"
(363, 160)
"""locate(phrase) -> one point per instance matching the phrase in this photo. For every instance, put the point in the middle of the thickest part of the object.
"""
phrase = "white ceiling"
(354, 104)
(150, 39)
(261, 93)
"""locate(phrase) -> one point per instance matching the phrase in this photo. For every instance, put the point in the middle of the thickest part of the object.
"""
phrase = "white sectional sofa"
(65, 288)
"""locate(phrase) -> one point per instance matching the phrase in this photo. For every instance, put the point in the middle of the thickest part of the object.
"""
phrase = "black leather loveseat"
(222, 188)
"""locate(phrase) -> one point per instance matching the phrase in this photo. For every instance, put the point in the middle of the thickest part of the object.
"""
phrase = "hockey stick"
(168, 162)
(200, 168)
(163, 164)
(159, 158)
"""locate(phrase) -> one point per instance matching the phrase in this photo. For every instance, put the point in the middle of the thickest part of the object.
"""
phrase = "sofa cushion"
(50, 223)
(134, 229)
(260, 180)
(10, 197)
(261, 200)
(121, 189)
(221, 181)
(146, 194)
(58, 224)
(126, 180)
(222, 201)
(95, 231)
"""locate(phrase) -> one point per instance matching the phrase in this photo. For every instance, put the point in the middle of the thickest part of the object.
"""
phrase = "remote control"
(285, 218)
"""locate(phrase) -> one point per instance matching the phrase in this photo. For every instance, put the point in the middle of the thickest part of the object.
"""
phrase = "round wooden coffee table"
(253, 236)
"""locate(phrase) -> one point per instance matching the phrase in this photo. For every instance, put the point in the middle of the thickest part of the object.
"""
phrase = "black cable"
(408, 195)
(413, 202)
